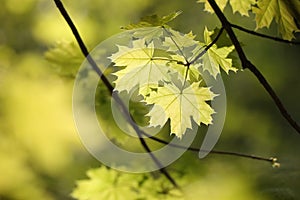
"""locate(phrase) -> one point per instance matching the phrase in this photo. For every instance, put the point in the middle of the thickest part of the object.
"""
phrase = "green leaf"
(267, 10)
(216, 57)
(180, 104)
(153, 20)
(142, 66)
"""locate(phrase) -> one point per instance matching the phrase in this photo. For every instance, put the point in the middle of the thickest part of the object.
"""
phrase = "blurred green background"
(41, 156)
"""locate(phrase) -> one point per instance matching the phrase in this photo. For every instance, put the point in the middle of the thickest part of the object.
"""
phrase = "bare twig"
(246, 64)
(263, 35)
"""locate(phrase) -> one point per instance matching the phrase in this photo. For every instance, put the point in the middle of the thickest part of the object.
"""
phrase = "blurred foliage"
(40, 153)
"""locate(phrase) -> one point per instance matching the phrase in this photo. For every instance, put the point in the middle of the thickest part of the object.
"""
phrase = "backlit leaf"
(180, 104)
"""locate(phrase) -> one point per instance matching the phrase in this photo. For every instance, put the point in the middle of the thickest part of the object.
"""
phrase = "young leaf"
(216, 57)
(180, 104)
(267, 10)
(142, 68)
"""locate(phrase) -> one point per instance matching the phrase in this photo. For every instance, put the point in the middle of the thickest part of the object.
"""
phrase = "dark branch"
(85, 52)
(263, 35)
(246, 64)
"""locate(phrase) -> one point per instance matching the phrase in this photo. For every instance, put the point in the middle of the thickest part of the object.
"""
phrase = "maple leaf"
(216, 57)
(180, 105)
(141, 66)
(267, 10)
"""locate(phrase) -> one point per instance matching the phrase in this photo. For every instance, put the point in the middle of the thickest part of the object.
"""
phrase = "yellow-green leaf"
(180, 105)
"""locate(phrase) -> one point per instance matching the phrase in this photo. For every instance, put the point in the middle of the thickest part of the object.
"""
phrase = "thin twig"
(263, 35)
(246, 64)
(271, 160)
(85, 52)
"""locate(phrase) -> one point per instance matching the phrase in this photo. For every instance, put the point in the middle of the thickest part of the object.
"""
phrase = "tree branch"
(246, 64)
(263, 35)
(272, 160)
(85, 52)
